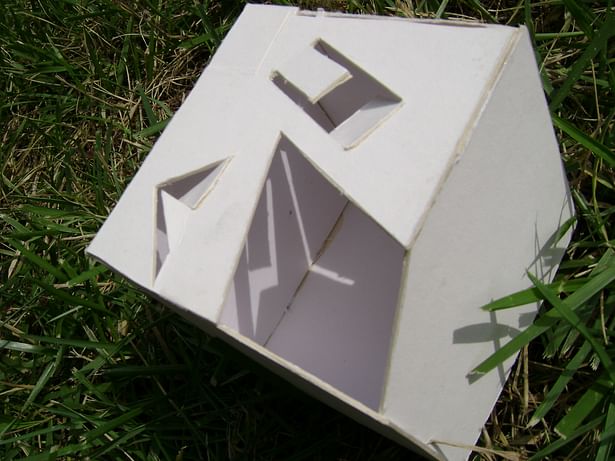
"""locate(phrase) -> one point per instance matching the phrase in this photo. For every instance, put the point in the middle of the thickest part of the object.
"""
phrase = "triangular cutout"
(318, 280)
(192, 188)
(175, 200)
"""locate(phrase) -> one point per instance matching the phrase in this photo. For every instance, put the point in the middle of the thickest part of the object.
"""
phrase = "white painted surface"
(313, 73)
(339, 324)
(295, 213)
(462, 173)
(475, 246)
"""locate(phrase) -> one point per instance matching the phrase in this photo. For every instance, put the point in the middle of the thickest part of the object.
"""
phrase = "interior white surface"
(318, 280)
(175, 199)
(357, 93)
(192, 188)
(171, 219)
(313, 73)
(296, 211)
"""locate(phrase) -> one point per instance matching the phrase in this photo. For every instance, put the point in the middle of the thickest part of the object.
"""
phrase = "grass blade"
(597, 43)
(147, 107)
(583, 16)
(71, 299)
(553, 447)
(87, 275)
(606, 442)
(595, 395)
(67, 452)
(110, 425)
(540, 325)
(31, 434)
(77, 343)
(45, 376)
(22, 347)
(560, 385)
(591, 144)
(38, 261)
(545, 321)
(574, 320)
(153, 129)
(476, 4)
(531, 295)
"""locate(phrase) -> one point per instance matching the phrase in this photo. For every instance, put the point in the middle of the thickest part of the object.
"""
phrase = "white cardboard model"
(340, 194)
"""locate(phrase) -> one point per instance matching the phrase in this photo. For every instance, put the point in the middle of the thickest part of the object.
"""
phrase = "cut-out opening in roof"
(175, 200)
(318, 280)
(337, 94)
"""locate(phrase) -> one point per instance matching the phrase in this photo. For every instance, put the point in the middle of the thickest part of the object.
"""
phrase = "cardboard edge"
(438, 22)
(373, 128)
(247, 14)
(290, 11)
(395, 330)
(514, 43)
(223, 163)
(471, 125)
(148, 291)
(281, 135)
(217, 318)
(334, 183)
(324, 392)
(294, 375)
(458, 152)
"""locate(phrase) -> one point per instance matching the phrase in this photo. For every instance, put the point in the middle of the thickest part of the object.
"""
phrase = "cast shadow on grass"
(548, 254)
(215, 403)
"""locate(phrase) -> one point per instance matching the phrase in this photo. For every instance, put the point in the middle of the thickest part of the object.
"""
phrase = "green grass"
(92, 369)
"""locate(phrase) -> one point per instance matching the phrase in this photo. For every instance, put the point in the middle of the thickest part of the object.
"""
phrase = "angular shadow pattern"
(318, 280)
(342, 98)
(175, 200)
(295, 213)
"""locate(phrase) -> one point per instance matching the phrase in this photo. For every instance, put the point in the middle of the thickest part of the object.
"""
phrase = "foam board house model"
(340, 194)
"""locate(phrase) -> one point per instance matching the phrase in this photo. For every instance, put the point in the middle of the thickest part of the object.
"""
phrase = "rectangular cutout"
(353, 102)
(314, 74)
